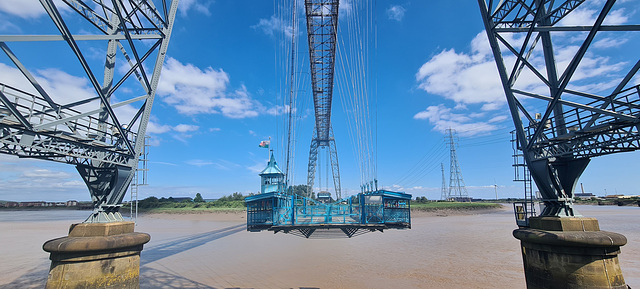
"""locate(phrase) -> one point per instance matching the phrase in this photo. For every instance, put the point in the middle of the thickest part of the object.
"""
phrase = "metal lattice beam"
(578, 121)
(322, 26)
(104, 147)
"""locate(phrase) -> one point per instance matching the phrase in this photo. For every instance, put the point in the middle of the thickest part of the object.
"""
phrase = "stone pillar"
(570, 253)
(96, 255)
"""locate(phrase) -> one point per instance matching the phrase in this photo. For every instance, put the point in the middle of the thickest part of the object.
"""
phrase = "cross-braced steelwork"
(561, 122)
(322, 25)
(457, 189)
(87, 132)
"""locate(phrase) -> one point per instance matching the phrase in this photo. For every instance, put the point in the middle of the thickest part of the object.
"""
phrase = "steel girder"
(322, 27)
(579, 121)
(87, 132)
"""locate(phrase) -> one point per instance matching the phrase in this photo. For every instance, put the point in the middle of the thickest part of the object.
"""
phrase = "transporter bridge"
(278, 208)
(279, 211)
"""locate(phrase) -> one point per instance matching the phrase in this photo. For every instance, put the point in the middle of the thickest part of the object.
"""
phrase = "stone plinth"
(96, 255)
(570, 253)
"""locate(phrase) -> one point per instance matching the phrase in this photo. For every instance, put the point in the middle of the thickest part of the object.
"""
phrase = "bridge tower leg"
(103, 145)
(313, 161)
(559, 129)
(107, 185)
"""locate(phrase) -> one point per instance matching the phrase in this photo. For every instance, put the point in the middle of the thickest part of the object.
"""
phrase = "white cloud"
(609, 43)
(220, 164)
(199, 163)
(62, 87)
(154, 128)
(30, 180)
(579, 17)
(616, 17)
(472, 80)
(463, 78)
(186, 128)
(278, 110)
(22, 8)
(257, 167)
(587, 14)
(273, 26)
(345, 8)
(28, 9)
(194, 91)
(443, 118)
(184, 6)
(396, 12)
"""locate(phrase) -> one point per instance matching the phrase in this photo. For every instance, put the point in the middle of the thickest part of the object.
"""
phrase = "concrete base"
(96, 255)
(570, 253)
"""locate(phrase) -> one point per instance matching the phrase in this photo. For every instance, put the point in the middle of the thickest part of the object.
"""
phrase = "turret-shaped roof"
(272, 167)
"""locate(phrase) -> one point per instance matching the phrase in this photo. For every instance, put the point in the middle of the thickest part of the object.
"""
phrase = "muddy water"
(212, 251)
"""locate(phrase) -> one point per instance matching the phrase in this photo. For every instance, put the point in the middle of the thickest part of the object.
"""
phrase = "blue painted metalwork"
(365, 212)
(272, 178)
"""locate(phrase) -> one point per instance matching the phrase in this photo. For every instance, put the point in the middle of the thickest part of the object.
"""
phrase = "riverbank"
(449, 207)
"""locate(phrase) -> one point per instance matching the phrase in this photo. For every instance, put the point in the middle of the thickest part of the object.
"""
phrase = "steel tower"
(87, 133)
(560, 122)
(444, 193)
(457, 189)
(322, 25)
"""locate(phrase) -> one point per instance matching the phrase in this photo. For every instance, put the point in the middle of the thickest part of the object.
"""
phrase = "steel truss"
(88, 133)
(322, 25)
(313, 161)
(578, 122)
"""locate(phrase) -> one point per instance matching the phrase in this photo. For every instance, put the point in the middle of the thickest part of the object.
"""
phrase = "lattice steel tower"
(563, 119)
(322, 25)
(457, 189)
(88, 133)
(444, 194)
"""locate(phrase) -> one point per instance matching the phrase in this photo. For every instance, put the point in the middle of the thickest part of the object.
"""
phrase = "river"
(215, 251)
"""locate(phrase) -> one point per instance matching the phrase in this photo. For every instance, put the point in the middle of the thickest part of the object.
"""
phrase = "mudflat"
(442, 250)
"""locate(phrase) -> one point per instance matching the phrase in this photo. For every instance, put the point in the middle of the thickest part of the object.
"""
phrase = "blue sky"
(221, 94)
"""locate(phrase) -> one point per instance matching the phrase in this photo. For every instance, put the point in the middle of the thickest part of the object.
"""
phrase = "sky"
(221, 93)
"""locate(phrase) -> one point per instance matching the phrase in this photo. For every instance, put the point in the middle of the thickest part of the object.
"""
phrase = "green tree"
(150, 202)
(300, 190)
(198, 198)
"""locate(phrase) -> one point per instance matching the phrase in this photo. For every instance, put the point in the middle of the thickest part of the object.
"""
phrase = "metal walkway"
(356, 215)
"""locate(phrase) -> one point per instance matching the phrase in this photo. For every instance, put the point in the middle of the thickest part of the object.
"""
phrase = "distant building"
(324, 197)
(613, 196)
(33, 204)
(72, 203)
(584, 195)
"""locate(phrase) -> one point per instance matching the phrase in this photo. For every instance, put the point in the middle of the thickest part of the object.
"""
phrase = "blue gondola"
(276, 211)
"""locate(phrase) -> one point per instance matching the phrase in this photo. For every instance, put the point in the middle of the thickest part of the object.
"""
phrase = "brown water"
(210, 251)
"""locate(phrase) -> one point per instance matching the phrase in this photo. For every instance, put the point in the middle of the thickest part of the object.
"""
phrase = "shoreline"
(241, 215)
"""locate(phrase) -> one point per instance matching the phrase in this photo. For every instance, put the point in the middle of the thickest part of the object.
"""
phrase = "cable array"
(355, 75)
(429, 162)
(289, 69)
